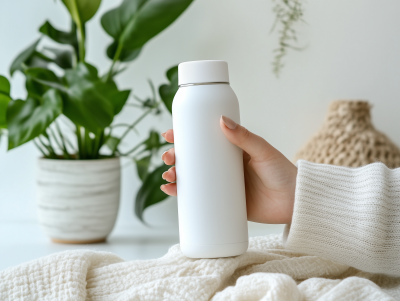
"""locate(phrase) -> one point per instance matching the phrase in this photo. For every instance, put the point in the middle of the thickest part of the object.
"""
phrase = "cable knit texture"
(345, 225)
(266, 271)
(349, 215)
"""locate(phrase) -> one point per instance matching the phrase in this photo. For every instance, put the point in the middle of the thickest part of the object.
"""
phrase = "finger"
(169, 157)
(169, 189)
(255, 146)
(170, 175)
(169, 136)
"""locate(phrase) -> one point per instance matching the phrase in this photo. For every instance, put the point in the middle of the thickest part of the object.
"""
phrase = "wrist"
(291, 196)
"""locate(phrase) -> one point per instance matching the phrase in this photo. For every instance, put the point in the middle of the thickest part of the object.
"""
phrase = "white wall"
(352, 52)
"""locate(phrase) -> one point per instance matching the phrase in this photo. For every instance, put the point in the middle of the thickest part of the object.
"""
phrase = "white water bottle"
(209, 168)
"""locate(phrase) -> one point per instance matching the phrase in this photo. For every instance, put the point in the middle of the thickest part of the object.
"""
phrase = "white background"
(352, 52)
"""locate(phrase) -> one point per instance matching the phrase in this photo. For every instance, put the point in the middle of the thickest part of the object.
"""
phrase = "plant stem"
(80, 33)
(288, 13)
(136, 122)
(53, 135)
(119, 125)
(115, 59)
(79, 140)
(40, 149)
(49, 148)
(133, 105)
(64, 147)
(81, 43)
(88, 145)
(133, 149)
(97, 144)
(101, 142)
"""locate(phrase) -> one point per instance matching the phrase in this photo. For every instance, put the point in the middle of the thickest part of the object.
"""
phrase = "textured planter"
(78, 200)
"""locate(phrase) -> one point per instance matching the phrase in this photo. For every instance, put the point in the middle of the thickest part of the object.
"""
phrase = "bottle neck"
(200, 84)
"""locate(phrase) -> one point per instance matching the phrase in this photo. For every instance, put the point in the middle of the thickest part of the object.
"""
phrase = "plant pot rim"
(79, 161)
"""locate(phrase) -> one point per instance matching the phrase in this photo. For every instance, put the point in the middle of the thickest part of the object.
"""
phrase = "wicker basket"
(348, 138)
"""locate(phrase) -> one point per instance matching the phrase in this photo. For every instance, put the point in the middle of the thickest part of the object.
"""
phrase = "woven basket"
(348, 138)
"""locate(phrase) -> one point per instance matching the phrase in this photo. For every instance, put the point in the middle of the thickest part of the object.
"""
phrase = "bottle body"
(209, 173)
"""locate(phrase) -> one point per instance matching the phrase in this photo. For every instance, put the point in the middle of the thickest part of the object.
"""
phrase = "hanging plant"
(288, 14)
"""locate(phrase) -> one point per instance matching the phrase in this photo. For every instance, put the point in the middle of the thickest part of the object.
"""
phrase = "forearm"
(349, 215)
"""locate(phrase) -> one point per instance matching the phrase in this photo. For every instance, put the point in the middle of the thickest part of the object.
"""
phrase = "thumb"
(255, 146)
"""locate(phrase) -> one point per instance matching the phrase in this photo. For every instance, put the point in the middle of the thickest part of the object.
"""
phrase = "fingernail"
(163, 175)
(163, 134)
(162, 188)
(162, 156)
(229, 123)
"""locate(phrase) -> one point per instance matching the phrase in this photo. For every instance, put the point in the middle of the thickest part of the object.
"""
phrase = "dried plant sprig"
(288, 14)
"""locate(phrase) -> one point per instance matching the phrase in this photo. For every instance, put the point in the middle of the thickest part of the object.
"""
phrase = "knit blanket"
(266, 271)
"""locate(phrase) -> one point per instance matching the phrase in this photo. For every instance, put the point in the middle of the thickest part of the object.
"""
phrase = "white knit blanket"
(266, 272)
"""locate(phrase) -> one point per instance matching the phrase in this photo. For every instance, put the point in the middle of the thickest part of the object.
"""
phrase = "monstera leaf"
(125, 55)
(39, 80)
(90, 102)
(28, 119)
(167, 92)
(59, 36)
(64, 58)
(135, 22)
(29, 58)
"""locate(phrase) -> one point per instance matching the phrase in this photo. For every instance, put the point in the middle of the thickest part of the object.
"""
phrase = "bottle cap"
(197, 72)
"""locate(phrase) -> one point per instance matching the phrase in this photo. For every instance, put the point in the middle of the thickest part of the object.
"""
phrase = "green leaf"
(42, 74)
(4, 86)
(4, 100)
(92, 103)
(153, 142)
(126, 55)
(117, 98)
(83, 71)
(112, 143)
(150, 192)
(82, 11)
(86, 106)
(62, 37)
(167, 92)
(142, 166)
(64, 58)
(40, 80)
(34, 89)
(28, 119)
(27, 55)
(135, 22)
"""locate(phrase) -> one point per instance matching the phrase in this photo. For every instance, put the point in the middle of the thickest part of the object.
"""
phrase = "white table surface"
(22, 242)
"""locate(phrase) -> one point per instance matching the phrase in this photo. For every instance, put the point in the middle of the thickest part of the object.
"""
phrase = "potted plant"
(69, 112)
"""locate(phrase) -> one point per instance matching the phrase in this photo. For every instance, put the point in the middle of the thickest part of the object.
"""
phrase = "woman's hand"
(270, 178)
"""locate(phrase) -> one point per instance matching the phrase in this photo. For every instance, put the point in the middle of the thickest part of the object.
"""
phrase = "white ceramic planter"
(78, 200)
